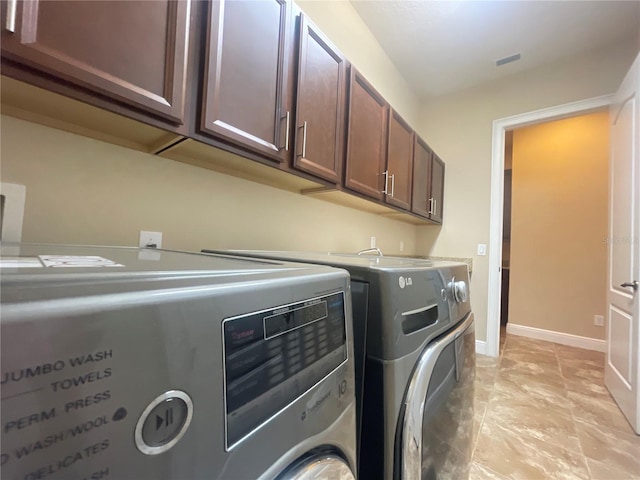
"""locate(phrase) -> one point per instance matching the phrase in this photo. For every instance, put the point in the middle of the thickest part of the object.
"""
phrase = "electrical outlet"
(401, 246)
(373, 242)
(598, 320)
(150, 239)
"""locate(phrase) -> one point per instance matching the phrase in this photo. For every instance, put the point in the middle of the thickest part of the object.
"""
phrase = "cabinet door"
(399, 162)
(133, 52)
(421, 178)
(437, 188)
(319, 138)
(244, 94)
(367, 138)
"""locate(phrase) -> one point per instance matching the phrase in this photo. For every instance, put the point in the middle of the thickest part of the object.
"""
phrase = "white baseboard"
(481, 347)
(556, 337)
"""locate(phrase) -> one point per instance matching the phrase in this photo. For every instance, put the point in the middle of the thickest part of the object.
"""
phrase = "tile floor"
(542, 412)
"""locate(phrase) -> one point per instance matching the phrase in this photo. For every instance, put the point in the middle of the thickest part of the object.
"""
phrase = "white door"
(622, 374)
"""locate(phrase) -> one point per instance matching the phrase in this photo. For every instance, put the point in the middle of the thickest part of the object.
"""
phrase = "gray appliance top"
(95, 269)
(51, 259)
(348, 261)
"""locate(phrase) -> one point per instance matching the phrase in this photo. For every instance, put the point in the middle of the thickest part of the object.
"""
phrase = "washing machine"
(415, 363)
(126, 363)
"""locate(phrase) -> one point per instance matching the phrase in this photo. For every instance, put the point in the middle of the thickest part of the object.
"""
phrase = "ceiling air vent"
(509, 59)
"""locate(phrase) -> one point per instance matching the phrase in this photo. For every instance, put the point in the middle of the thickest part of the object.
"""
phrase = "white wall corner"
(12, 211)
(556, 337)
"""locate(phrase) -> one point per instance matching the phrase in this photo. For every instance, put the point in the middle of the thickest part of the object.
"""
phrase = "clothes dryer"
(131, 363)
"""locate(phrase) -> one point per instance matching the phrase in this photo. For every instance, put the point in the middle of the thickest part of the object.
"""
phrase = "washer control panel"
(274, 356)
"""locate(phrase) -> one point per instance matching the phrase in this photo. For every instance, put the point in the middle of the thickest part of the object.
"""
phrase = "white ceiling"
(443, 46)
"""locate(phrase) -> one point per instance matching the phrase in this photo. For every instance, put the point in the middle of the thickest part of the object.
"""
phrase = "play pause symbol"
(164, 421)
(167, 420)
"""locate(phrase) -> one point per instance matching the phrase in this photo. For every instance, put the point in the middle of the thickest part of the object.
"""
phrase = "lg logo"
(405, 282)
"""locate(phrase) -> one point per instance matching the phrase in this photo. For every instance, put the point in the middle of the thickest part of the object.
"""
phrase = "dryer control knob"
(460, 291)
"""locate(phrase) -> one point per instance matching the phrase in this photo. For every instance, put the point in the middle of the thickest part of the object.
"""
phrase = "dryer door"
(437, 431)
(329, 467)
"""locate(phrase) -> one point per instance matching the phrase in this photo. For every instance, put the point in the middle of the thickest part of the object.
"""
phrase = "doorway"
(554, 249)
(500, 129)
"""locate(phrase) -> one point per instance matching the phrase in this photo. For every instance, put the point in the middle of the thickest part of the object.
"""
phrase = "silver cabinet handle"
(393, 184)
(304, 140)
(633, 285)
(431, 202)
(11, 15)
(435, 206)
(286, 134)
(386, 182)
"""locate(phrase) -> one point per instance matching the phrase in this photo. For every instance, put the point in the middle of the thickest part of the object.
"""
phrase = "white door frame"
(500, 126)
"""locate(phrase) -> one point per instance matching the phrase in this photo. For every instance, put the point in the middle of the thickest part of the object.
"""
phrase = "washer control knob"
(163, 422)
(460, 291)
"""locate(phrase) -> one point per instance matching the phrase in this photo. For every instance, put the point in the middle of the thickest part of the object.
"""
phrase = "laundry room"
(295, 129)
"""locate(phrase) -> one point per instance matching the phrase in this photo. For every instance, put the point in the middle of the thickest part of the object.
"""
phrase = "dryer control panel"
(274, 356)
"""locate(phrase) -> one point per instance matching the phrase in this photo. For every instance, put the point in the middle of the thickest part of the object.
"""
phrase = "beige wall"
(459, 128)
(81, 190)
(559, 224)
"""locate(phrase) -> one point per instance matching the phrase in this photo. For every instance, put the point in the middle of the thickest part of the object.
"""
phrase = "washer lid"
(322, 468)
(39, 272)
(44, 260)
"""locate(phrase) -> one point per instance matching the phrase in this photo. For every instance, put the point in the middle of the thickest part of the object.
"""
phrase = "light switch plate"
(482, 249)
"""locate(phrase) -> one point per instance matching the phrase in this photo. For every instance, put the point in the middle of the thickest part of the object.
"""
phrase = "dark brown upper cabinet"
(437, 189)
(399, 172)
(246, 93)
(319, 130)
(421, 178)
(133, 52)
(428, 182)
(366, 138)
